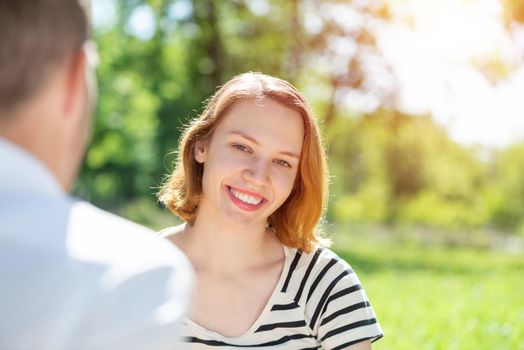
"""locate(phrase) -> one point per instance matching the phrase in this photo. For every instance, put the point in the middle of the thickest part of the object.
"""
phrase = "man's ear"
(75, 82)
(201, 151)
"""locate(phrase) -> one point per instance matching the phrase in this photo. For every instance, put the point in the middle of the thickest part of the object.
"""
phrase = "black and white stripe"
(319, 303)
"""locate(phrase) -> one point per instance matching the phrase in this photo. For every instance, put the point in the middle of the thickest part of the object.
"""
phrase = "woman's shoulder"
(319, 258)
(317, 274)
(336, 306)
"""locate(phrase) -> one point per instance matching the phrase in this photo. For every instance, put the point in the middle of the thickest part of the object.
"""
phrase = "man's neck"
(35, 133)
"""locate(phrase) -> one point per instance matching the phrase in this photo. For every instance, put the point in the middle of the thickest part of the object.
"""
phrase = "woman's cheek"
(285, 180)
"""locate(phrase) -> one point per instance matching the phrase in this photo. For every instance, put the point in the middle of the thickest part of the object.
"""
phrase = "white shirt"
(75, 277)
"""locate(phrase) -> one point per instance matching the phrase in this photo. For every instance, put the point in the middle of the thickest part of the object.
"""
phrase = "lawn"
(433, 297)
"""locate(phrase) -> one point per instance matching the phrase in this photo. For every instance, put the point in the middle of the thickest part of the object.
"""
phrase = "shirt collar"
(22, 172)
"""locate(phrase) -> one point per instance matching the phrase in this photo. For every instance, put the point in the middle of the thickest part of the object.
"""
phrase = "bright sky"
(431, 48)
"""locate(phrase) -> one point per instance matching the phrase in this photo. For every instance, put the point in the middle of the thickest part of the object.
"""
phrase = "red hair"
(295, 221)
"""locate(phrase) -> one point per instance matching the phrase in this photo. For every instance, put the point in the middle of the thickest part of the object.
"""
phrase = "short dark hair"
(35, 36)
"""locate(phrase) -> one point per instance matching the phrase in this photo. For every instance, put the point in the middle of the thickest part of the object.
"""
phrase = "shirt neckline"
(23, 172)
(261, 316)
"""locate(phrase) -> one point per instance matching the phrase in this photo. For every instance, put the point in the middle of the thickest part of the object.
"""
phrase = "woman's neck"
(216, 246)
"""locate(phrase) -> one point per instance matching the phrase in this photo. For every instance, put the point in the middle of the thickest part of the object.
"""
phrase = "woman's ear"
(201, 151)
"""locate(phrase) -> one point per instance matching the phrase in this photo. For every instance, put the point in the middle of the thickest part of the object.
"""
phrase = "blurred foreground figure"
(72, 276)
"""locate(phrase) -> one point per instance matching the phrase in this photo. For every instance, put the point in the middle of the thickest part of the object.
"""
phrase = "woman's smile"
(246, 200)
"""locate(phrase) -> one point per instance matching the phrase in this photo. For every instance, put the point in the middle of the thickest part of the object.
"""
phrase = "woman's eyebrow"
(246, 136)
(252, 139)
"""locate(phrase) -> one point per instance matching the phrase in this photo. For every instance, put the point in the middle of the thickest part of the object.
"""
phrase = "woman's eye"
(242, 148)
(283, 163)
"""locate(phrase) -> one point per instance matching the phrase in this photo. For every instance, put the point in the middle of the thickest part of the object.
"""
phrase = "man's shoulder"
(103, 280)
(84, 215)
(95, 235)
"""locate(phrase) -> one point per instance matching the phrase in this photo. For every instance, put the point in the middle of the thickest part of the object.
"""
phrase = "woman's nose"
(257, 171)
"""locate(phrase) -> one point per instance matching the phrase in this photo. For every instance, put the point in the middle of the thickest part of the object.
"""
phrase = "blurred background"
(421, 105)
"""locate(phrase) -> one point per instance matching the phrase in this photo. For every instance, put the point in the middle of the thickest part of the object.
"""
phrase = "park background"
(421, 109)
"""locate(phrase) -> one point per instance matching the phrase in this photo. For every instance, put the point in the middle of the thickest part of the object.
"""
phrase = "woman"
(250, 183)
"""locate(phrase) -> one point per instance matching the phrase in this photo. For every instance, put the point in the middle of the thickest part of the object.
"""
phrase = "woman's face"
(250, 162)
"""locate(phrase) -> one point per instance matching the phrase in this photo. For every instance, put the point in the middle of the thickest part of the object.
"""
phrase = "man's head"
(45, 93)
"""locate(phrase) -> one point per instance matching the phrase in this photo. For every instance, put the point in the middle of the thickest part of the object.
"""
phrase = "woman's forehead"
(263, 118)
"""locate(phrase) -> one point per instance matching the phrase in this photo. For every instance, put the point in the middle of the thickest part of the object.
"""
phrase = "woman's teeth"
(246, 198)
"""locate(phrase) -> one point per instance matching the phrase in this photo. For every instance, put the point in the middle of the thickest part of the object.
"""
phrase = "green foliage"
(507, 186)
(123, 148)
(386, 167)
(398, 169)
(429, 209)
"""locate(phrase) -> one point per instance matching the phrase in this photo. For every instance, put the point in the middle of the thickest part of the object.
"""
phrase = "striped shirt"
(318, 303)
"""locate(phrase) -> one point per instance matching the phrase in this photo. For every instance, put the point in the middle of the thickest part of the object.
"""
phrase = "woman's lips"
(245, 200)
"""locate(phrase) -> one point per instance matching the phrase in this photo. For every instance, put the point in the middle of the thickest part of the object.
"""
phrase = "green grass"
(437, 297)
